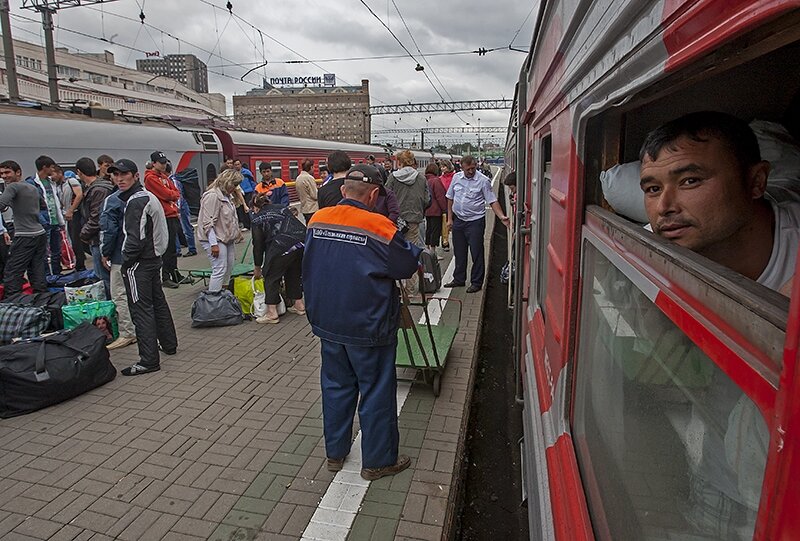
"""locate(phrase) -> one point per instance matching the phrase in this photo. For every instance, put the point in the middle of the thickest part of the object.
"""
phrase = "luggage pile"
(86, 302)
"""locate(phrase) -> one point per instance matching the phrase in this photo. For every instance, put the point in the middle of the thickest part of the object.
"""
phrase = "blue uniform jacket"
(352, 259)
(248, 184)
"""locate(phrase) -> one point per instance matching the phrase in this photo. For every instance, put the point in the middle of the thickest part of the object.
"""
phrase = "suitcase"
(19, 321)
(43, 371)
(431, 271)
(52, 302)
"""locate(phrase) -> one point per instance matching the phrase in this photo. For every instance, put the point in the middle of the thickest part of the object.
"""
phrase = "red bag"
(67, 253)
(26, 288)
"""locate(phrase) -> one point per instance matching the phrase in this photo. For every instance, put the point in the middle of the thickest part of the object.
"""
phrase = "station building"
(96, 78)
(337, 113)
(186, 68)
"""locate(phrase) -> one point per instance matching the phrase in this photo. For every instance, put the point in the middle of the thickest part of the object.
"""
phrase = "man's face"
(8, 175)
(160, 166)
(237, 165)
(57, 175)
(469, 170)
(124, 181)
(229, 162)
(387, 164)
(47, 171)
(103, 168)
(266, 175)
(696, 194)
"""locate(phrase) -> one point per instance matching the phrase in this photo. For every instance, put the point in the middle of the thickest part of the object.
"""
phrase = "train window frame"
(599, 237)
(294, 169)
(542, 191)
(276, 167)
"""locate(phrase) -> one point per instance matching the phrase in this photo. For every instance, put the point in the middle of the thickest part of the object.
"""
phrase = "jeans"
(188, 230)
(53, 233)
(170, 257)
(221, 266)
(100, 270)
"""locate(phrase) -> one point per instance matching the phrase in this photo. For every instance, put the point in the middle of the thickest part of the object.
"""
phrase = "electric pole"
(8, 52)
(47, 8)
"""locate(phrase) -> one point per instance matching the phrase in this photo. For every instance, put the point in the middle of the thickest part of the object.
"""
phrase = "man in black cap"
(146, 241)
(157, 182)
(363, 254)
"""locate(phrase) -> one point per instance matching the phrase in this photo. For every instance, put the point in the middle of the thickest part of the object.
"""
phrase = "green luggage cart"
(428, 327)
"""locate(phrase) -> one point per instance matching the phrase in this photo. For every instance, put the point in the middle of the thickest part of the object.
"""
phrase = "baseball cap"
(158, 156)
(123, 166)
(366, 173)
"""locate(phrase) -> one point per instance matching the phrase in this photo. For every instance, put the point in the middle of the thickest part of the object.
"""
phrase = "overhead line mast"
(47, 8)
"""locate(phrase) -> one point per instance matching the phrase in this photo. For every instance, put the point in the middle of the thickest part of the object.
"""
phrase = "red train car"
(285, 153)
(661, 390)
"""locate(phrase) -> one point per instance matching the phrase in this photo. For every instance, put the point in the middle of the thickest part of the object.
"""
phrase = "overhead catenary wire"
(414, 41)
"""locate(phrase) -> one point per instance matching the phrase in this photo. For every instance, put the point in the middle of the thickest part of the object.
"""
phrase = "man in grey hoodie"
(411, 189)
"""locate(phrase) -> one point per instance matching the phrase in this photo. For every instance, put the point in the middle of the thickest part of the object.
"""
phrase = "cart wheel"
(427, 377)
(437, 384)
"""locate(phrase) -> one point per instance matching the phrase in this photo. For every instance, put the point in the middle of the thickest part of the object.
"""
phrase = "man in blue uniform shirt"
(467, 196)
(363, 254)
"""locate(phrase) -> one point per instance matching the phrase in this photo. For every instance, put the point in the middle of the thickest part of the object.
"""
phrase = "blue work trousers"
(468, 235)
(347, 371)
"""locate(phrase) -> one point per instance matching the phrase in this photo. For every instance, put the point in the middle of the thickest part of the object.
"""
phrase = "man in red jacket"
(157, 182)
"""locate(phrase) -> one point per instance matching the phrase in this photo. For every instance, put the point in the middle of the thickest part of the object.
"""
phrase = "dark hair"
(307, 165)
(467, 160)
(339, 161)
(261, 200)
(264, 165)
(732, 131)
(57, 167)
(11, 164)
(237, 160)
(433, 169)
(104, 158)
(168, 170)
(511, 179)
(43, 161)
(86, 166)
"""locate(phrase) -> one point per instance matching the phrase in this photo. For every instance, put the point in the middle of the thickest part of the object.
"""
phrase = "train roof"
(24, 128)
(266, 139)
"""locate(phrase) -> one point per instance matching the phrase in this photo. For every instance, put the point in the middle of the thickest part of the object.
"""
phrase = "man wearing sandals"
(363, 254)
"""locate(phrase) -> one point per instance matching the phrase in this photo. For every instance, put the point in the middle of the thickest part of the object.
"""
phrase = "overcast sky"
(322, 30)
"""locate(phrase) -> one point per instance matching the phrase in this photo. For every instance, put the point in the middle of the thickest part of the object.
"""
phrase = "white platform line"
(339, 506)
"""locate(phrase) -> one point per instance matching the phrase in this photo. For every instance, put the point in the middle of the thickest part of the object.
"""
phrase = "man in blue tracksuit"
(362, 253)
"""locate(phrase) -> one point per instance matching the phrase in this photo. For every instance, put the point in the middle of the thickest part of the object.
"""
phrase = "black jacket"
(92, 207)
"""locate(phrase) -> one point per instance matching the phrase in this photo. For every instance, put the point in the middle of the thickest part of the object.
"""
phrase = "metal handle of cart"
(439, 336)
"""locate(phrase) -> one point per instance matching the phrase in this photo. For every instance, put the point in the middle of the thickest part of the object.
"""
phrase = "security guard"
(352, 259)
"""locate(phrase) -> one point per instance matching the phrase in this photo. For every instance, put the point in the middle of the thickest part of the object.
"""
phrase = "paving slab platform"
(225, 443)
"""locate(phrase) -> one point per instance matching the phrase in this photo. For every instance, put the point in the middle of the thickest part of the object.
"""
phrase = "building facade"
(185, 68)
(96, 78)
(339, 113)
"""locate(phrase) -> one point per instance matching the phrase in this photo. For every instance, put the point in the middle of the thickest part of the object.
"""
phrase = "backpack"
(431, 271)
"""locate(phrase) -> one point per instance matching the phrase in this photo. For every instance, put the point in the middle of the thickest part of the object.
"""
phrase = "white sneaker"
(121, 342)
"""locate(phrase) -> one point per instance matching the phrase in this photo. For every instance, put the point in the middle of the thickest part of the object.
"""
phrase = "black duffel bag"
(51, 301)
(216, 309)
(46, 370)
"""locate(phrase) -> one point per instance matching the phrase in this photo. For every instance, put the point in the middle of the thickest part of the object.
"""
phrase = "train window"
(670, 446)
(294, 170)
(546, 160)
(211, 173)
(323, 169)
(276, 169)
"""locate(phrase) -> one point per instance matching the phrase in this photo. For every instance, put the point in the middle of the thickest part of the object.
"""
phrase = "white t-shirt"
(780, 269)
